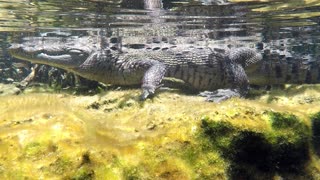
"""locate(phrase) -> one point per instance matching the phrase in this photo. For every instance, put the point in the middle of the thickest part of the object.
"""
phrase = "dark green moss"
(34, 149)
(315, 129)
(94, 105)
(283, 120)
(134, 173)
(216, 129)
(190, 154)
(61, 165)
(290, 141)
(247, 172)
(242, 149)
(85, 158)
(290, 157)
(254, 150)
(251, 156)
(219, 132)
(83, 173)
(282, 150)
(251, 148)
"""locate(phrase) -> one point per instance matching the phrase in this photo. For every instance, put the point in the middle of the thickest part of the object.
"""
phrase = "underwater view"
(160, 89)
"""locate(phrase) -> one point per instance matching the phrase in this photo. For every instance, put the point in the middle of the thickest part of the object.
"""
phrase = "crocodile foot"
(220, 95)
(146, 92)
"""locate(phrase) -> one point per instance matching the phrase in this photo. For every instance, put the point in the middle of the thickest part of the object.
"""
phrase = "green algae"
(83, 173)
(60, 165)
(284, 148)
(172, 136)
(219, 132)
(38, 149)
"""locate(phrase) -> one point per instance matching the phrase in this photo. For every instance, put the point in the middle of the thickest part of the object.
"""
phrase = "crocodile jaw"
(65, 59)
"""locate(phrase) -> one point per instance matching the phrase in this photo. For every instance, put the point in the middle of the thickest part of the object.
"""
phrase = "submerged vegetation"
(113, 135)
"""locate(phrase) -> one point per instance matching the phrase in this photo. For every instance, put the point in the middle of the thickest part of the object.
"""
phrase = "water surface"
(290, 24)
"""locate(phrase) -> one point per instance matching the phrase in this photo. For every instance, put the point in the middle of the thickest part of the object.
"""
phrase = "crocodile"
(222, 69)
(104, 59)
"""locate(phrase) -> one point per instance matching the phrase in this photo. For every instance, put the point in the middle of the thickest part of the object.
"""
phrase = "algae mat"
(113, 135)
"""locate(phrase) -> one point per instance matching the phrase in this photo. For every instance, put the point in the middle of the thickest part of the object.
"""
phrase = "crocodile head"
(66, 53)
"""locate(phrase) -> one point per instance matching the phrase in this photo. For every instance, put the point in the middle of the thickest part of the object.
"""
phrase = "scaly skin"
(282, 67)
(203, 68)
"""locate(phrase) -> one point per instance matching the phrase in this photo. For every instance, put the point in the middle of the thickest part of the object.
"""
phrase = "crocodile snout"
(13, 47)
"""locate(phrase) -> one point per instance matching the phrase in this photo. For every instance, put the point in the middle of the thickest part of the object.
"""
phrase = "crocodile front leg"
(124, 70)
(152, 79)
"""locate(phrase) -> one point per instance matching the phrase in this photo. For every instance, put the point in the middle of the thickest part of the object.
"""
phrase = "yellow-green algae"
(112, 135)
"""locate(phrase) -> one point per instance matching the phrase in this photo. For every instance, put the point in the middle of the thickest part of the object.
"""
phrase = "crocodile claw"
(145, 94)
(220, 95)
(147, 91)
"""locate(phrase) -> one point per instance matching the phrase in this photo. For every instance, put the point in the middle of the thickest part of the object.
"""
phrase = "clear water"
(47, 135)
(293, 23)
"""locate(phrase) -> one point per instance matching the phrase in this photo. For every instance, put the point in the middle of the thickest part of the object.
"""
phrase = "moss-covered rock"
(8, 89)
(315, 125)
(290, 139)
(113, 135)
(282, 149)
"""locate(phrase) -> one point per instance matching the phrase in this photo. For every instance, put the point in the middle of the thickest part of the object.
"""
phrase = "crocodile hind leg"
(152, 79)
(238, 85)
(234, 64)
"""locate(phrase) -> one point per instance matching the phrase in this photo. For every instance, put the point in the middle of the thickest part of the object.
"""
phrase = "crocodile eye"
(75, 51)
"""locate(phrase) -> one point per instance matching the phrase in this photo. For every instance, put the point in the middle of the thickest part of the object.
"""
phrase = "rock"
(9, 89)
(315, 138)
(283, 148)
(113, 135)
